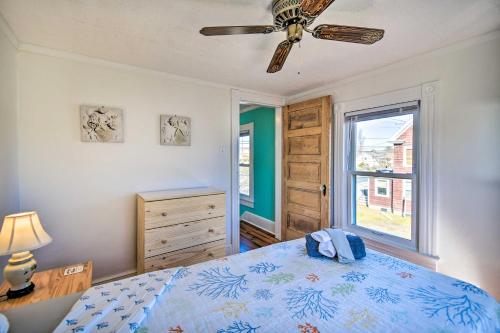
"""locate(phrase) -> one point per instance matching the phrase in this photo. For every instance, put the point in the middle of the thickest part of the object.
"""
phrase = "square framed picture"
(175, 130)
(101, 124)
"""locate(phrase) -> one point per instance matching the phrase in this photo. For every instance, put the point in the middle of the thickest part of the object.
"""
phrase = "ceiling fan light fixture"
(295, 32)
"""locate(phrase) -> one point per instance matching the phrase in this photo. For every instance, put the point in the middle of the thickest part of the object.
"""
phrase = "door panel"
(304, 145)
(304, 118)
(307, 198)
(303, 224)
(306, 162)
(304, 172)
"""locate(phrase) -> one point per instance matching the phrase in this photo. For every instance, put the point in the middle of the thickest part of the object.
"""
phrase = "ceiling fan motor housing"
(287, 12)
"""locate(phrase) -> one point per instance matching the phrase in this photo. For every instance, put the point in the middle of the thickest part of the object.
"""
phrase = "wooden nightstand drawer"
(175, 211)
(51, 284)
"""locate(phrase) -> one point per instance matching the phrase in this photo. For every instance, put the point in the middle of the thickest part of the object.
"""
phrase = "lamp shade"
(22, 232)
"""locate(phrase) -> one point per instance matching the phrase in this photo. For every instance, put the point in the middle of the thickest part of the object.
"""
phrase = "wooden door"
(306, 161)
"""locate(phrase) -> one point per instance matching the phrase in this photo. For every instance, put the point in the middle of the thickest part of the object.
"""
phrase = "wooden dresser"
(180, 227)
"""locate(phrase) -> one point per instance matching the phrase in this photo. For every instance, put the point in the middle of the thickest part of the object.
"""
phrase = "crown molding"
(42, 50)
(9, 33)
(324, 89)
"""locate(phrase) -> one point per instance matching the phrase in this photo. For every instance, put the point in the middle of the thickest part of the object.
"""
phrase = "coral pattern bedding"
(280, 289)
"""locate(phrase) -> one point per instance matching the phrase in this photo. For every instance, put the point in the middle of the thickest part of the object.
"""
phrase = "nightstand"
(51, 284)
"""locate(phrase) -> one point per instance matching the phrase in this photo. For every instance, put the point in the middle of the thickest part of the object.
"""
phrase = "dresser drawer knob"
(211, 206)
(163, 241)
(210, 230)
(210, 254)
(164, 214)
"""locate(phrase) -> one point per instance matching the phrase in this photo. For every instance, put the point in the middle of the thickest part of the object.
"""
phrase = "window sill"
(408, 255)
(247, 203)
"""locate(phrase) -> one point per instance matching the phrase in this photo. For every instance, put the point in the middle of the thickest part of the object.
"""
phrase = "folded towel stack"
(335, 243)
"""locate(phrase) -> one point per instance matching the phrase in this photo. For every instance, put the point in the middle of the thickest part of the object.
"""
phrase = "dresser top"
(179, 193)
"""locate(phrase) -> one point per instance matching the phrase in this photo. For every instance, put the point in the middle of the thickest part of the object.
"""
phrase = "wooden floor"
(252, 237)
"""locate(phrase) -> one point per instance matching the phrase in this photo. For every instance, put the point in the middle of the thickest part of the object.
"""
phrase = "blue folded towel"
(355, 242)
(357, 246)
(312, 247)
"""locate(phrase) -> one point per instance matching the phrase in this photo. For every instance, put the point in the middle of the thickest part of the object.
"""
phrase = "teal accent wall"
(263, 149)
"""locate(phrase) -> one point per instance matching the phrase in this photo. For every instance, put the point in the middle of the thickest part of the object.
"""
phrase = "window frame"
(351, 173)
(247, 200)
(429, 96)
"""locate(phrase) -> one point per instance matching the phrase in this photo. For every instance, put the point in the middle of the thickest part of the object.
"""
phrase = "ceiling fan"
(295, 17)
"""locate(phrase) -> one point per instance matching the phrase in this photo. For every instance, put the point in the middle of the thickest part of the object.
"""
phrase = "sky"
(378, 133)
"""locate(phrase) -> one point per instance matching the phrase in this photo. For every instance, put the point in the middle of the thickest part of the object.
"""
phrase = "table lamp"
(20, 234)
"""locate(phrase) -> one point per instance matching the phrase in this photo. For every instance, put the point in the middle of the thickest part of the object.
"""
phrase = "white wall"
(85, 192)
(467, 149)
(9, 199)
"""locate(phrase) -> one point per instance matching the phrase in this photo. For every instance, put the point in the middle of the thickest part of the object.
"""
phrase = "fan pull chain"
(301, 60)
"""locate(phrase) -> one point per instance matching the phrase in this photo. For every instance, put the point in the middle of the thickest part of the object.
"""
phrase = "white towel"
(326, 247)
(341, 245)
(321, 236)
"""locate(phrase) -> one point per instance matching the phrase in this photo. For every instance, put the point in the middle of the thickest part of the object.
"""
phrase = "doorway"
(257, 173)
(251, 226)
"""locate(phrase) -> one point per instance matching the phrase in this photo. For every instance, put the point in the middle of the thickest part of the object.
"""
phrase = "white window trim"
(248, 200)
(388, 188)
(428, 94)
(405, 155)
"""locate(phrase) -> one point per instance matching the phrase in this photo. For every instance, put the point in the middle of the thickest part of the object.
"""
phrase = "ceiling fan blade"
(344, 33)
(313, 8)
(279, 57)
(237, 30)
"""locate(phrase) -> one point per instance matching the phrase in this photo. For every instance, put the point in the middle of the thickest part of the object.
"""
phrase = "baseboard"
(114, 277)
(258, 221)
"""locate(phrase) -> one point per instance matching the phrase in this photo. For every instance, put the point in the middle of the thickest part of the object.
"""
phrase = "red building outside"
(394, 195)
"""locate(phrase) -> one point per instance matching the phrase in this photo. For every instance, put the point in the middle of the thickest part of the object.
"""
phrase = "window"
(407, 189)
(246, 164)
(408, 156)
(382, 187)
(381, 149)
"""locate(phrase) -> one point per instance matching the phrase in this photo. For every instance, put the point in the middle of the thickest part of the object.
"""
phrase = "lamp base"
(18, 273)
(21, 292)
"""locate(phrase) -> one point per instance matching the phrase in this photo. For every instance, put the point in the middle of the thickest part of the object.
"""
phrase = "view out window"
(381, 171)
(246, 162)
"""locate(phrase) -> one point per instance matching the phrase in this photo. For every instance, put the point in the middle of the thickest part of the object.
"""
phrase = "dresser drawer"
(170, 212)
(183, 235)
(187, 257)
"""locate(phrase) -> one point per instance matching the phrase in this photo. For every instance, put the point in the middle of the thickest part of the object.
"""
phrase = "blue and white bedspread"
(116, 307)
(280, 289)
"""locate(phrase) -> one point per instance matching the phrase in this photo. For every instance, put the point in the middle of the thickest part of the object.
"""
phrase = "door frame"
(238, 96)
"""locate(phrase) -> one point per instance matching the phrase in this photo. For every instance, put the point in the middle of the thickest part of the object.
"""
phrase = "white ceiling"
(163, 35)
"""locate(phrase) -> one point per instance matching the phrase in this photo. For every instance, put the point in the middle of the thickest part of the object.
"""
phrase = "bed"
(280, 289)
